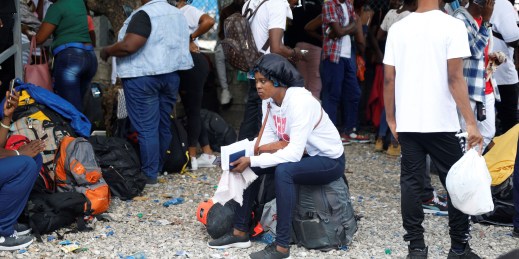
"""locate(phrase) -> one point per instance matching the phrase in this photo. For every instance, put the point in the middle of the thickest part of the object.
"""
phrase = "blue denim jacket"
(167, 47)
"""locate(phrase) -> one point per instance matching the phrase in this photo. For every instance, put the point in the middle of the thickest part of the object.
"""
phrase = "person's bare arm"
(339, 31)
(389, 98)
(312, 26)
(130, 44)
(205, 23)
(93, 37)
(459, 90)
(360, 40)
(39, 10)
(46, 29)
(277, 46)
(381, 35)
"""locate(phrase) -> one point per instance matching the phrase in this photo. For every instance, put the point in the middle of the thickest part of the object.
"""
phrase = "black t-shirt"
(140, 24)
(296, 31)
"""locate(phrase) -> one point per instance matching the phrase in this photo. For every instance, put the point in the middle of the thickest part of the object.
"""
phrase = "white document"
(232, 185)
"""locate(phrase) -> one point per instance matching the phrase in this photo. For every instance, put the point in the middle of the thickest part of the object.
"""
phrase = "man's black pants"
(445, 150)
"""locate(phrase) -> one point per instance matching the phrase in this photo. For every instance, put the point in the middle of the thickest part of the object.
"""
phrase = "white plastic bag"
(468, 183)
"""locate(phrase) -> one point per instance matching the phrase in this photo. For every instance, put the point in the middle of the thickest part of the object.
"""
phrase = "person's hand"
(296, 55)
(487, 10)
(10, 104)
(193, 47)
(33, 148)
(104, 55)
(474, 139)
(26, 30)
(332, 35)
(392, 127)
(241, 164)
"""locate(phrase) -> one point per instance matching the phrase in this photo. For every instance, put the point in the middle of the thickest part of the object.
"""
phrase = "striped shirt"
(332, 12)
(474, 66)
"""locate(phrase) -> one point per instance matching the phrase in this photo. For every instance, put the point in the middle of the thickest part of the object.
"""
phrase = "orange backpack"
(77, 170)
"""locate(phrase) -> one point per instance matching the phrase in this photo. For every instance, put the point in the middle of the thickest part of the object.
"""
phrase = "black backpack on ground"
(324, 217)
(503, 213)
(176, 156)
(220, 132)
(49, 212)
(220, 218)
(120, 166)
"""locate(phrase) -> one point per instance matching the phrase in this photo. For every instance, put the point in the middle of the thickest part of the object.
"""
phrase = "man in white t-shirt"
(505, 29)
(268, 27)
(424, 83)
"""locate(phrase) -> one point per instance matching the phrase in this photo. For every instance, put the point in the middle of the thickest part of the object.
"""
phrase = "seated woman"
(17, 175)
(313, 156)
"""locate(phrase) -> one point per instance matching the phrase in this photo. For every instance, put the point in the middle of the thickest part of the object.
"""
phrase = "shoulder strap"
(252, 13)
(497, 35)
(500, 36)
(256, 145)
(266, 45)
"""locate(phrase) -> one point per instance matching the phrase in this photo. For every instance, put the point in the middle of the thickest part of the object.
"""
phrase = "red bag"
(38, 74)
(14, 142)
(45, 181)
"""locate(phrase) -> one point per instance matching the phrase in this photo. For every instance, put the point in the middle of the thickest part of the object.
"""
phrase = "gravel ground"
(155, 231)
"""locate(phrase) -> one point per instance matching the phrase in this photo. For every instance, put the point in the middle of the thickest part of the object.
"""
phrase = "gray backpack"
(324, 218)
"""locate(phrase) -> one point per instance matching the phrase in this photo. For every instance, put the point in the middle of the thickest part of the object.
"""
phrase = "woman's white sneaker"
(206, 160)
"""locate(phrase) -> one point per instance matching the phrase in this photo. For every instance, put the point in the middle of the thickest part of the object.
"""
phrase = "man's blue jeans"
(149, 101)
(340, 87)
(73, 72)
(316, 170)
(17, 178)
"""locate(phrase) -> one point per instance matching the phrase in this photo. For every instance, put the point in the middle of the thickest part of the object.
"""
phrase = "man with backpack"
(268, 26)
(153, 45)
(19, 171)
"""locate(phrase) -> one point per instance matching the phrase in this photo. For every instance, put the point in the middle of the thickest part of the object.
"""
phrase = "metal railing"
(16, 48)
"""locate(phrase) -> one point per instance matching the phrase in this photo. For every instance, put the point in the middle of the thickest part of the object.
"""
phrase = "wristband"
(4, 126)
(17, 153)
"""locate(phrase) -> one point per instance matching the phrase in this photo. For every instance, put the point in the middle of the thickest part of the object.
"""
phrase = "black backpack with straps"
(48, 212)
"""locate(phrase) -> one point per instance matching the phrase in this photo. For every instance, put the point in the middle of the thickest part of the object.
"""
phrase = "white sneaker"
(225, 97)
(194, 164)
(206, 160)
